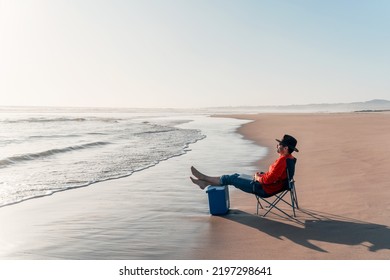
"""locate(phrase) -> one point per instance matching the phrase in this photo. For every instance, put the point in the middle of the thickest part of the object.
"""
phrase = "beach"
(342, 185)
(341, 181)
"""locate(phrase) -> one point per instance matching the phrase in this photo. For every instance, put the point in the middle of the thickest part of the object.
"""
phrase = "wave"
(60, 119)
(53, 136)
(33, 156)
(156, 131)
(45, 120)
(127, 173)
(64, 135)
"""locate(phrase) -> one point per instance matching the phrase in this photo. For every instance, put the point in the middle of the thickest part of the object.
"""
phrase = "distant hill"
(368, 106)
(372, 105)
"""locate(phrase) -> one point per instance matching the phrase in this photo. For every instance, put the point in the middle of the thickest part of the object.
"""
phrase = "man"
(262, 184)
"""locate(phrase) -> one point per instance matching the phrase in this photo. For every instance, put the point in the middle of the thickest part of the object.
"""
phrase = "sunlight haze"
(193, 53)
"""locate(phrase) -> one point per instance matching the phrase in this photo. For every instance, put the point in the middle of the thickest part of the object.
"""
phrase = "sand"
(343, 191)
(156, 213)
(342, 183)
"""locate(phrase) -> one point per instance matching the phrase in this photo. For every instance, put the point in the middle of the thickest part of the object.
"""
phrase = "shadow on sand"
(319, 226)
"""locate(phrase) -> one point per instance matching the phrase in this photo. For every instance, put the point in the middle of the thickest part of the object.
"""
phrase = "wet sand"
(156, 213)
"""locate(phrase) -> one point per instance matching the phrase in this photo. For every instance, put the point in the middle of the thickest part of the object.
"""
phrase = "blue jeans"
(244, 183)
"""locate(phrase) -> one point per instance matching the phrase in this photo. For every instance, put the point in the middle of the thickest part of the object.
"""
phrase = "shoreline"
(153, 214)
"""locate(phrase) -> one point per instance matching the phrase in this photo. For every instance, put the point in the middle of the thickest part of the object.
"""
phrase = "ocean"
(46, 152)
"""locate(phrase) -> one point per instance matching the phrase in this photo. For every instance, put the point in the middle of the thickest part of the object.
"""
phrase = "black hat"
(288, 141)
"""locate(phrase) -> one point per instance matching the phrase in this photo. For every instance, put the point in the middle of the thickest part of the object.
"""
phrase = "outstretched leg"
(215, 181)
(202, 184)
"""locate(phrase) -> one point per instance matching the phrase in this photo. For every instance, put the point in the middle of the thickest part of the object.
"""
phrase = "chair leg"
(296, 199)
(293, 204)
(276, 207)
(259, 205)
(271, 205)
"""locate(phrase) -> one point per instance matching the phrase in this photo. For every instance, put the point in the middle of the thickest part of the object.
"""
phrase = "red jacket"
(275, 179)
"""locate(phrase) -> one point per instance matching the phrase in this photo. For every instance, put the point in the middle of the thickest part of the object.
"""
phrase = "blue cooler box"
(219, 202)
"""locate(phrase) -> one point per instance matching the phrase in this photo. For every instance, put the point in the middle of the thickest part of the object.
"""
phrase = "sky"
(193, 53)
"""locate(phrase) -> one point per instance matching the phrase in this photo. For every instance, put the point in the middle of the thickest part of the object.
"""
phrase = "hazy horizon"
(374, 104)
(193, 54)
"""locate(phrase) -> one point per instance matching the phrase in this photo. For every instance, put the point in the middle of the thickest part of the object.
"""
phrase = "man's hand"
(257, 176)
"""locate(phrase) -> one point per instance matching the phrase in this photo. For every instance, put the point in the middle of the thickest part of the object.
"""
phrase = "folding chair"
(290, 188)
